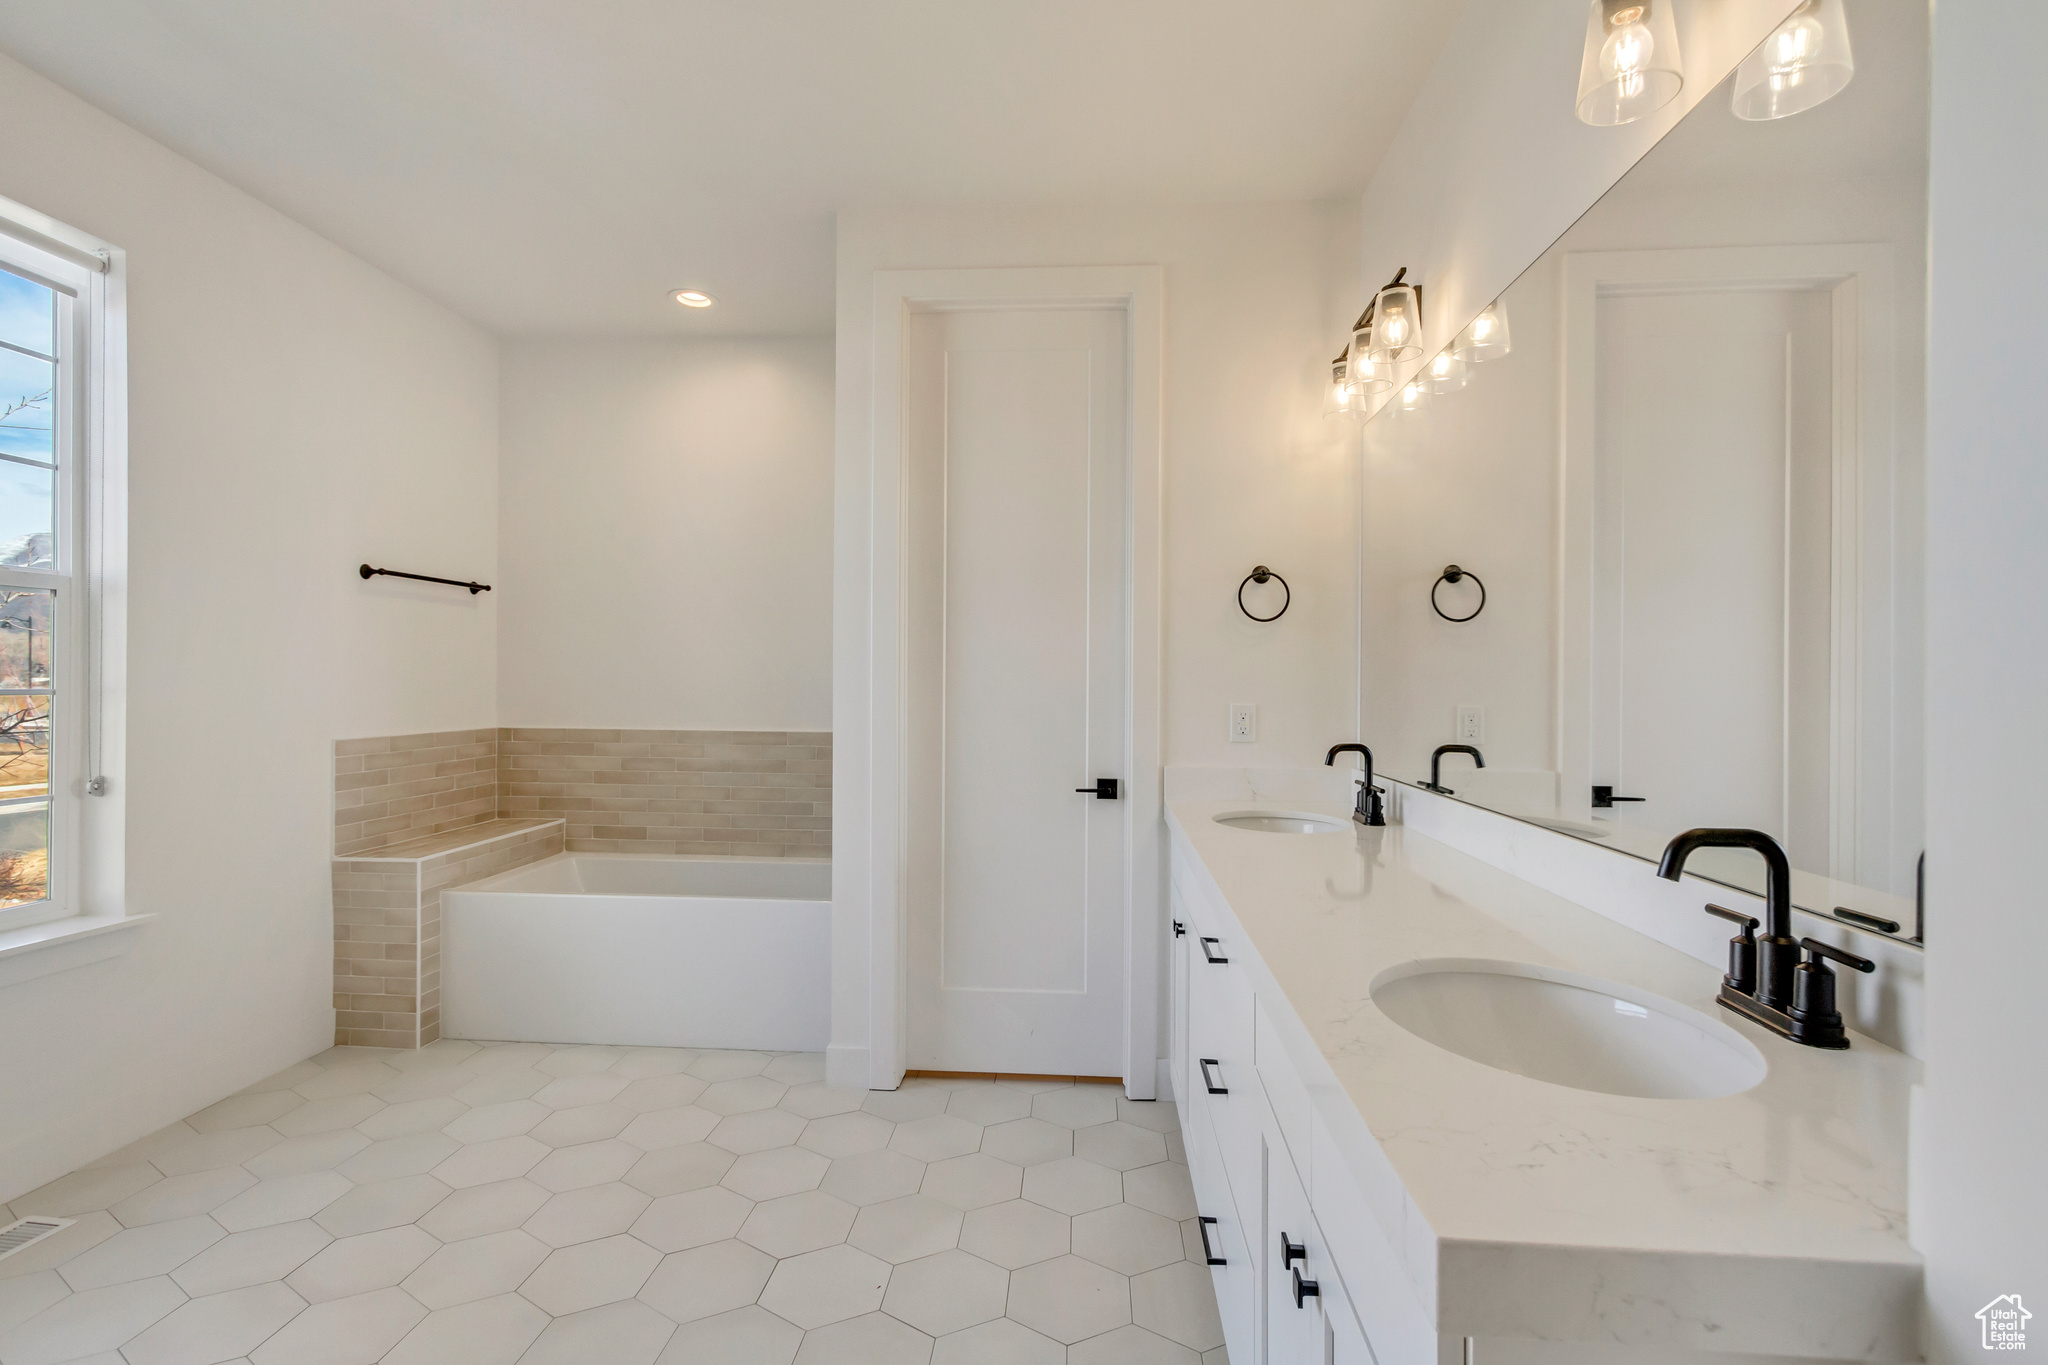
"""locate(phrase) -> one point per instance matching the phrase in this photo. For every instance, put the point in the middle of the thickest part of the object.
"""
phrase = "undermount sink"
(1559, 1026)
(1280, 822)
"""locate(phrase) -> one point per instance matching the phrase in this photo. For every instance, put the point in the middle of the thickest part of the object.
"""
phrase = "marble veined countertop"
(1769, 1221)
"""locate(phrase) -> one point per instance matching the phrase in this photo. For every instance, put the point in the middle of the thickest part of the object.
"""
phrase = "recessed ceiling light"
(693, 298)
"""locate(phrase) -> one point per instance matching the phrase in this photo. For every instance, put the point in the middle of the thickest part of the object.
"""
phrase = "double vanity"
(1437, 1114)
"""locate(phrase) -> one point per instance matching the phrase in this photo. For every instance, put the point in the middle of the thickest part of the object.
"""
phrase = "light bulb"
(1624, 57)
(1486, 336)
(1411, 395)
(1396, 326)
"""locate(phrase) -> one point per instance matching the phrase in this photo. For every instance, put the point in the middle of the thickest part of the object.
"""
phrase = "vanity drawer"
(1223, 1075)
(1294, 1330)
(1236, 1279)
(1285, 1092)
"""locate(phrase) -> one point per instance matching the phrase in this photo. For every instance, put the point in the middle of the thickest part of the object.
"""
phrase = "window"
(52, 385)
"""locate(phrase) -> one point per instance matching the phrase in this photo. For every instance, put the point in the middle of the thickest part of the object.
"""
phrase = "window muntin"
(41, 599)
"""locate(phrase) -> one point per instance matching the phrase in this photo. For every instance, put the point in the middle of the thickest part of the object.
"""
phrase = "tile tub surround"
(518, 1202)
(749, 793)
(398, 787)
(387, 924)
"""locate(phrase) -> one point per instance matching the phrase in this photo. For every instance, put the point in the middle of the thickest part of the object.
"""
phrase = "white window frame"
(88, 570)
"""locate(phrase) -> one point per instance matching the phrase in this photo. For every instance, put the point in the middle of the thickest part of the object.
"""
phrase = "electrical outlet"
(1471, 724)
(1244, 723)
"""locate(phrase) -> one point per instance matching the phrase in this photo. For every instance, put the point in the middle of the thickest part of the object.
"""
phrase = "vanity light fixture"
(1486, 336)
(1445, 373)
(693, 298)
(1805, 62)
(1396, 322)
(1631, 67)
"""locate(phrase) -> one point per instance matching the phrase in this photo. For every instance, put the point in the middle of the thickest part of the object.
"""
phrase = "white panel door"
(1018, 686)
(1714, 477)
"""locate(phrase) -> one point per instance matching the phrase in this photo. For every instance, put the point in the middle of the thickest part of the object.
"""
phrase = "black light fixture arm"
(474, 588)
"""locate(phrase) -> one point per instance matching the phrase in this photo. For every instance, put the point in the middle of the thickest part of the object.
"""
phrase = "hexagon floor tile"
(643, 1206)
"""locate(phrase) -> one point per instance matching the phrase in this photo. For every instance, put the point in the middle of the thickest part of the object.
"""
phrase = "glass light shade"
(1396, 325)
(1807, 60)
(1412, 394)
(1486, 336)
(1631, 67)
(1445, 373)
(1366, 376)
(1341, 397)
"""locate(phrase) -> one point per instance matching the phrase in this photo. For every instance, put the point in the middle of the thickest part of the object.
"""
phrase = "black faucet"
(1436, 759)
(1371, 809)
(1766, 981)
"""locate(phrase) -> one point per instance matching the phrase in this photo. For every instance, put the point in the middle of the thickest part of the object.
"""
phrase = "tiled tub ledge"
(387, 923)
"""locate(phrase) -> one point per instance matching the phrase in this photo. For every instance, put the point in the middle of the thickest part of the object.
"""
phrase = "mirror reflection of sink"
(1559, 1026)
(1281, 822)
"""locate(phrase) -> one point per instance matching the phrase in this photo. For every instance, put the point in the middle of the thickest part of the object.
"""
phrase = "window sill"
(60, 944)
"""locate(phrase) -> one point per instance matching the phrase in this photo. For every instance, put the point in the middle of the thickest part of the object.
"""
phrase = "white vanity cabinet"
(1245, 1118)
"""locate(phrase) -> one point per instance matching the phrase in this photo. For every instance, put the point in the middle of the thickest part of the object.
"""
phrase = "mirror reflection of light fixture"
(1486, 336)
(1396, 322)
(1631, 67)
(1341, 397)
(1806, 61)
(1445, 373)
(1412, 394)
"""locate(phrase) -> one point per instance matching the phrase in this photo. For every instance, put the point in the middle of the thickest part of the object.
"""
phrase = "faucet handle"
(1829, 950)
(1741, 977)
(1749, 923)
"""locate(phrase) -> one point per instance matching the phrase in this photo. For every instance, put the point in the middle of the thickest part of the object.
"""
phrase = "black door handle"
(1179, 929)
(1604, 798)
(1208, 1252)
(1203, 1064)
(1305, 1289)
(1103, 790)
(1210, 957)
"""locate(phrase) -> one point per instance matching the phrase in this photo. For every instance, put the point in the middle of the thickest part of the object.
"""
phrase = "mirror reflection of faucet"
(1435, 783)
(1371, 808)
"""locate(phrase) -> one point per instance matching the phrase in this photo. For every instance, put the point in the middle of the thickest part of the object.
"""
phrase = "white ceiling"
(557, 168)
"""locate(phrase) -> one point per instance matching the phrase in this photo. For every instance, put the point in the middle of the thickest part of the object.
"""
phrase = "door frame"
(1858, 280)
(881, 956)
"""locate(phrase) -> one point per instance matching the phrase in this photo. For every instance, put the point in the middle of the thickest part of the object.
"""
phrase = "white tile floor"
(481, 1205)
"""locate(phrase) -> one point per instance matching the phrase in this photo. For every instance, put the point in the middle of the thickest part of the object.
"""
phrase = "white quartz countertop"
(1527, 1208)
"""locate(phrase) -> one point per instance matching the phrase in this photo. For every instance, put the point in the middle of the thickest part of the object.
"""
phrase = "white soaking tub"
(640, 949)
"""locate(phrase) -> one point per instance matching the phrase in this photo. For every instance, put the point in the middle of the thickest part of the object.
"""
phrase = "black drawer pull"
(1209, 1252)
(1290, 1252)
(1179, 929)
(1210, 957)
(1304, 1289)
(1205, 1063)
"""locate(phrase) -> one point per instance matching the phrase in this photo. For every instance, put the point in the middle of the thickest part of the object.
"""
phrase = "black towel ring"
(1260, 575)
(1453, 574)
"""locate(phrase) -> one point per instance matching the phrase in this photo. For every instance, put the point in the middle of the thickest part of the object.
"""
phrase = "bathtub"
(644, 950)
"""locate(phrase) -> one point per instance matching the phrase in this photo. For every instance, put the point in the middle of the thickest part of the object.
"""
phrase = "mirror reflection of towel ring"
(1453, 574)
(1260, 575)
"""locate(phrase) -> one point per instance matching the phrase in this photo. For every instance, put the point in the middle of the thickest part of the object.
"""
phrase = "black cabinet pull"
(1210, 957)
(1290, 1252)
(1103, 790)
(1209, 1252)
(1304, 1289)
(1179, 929)
(1203, 1066)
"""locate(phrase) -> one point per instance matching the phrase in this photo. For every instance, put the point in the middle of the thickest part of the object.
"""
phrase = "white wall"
(665, 534)
(1257, 300)
(1980, 1194)
(292, 412)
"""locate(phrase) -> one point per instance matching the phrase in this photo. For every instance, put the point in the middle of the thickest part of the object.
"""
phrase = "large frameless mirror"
(1679, 464)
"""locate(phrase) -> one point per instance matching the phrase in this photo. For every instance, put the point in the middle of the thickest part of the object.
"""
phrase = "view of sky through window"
(27, 410)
